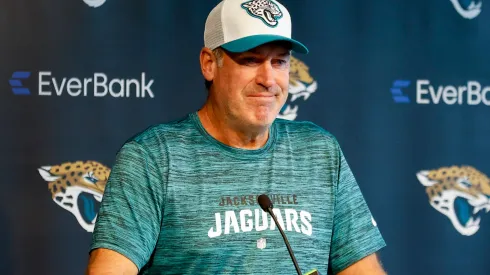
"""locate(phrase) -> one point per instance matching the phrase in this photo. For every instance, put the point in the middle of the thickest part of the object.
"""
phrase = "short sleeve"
(130, 215)
(355, 234)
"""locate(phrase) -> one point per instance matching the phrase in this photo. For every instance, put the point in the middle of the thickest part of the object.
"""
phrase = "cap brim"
(247, 43)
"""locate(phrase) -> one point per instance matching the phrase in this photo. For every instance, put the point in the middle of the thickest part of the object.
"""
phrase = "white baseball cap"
(241, 25)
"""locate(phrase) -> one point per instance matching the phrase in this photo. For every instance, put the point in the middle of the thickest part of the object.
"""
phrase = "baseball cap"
(241, 25)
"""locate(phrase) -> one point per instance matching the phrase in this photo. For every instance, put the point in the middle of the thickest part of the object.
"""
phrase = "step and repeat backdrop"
(404, 86)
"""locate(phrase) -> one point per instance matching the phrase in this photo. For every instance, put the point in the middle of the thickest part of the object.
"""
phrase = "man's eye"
(281, 62)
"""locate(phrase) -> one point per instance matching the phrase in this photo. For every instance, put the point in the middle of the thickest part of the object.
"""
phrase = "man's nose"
(266, 75)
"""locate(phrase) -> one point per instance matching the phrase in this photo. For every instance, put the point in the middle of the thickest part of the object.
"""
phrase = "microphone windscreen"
(264, 202)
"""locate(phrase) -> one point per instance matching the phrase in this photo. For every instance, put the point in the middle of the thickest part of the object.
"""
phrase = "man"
(182, 196)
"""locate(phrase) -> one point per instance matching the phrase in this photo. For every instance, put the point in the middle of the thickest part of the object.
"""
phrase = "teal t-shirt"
(180, 202)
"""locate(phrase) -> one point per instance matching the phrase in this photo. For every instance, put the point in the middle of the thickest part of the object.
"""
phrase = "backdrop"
(402, 84)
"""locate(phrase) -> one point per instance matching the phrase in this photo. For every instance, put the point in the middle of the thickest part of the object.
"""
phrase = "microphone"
(266, 205)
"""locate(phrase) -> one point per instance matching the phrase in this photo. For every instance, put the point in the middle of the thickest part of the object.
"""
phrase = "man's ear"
(208, 64)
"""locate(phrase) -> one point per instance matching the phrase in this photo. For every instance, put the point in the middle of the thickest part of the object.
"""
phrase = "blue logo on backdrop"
(469, 9)
(16, 84)
(470, 93)
(397, 93)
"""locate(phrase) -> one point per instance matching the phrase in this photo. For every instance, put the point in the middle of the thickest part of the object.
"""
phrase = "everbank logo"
(97, 85)
(470, 93)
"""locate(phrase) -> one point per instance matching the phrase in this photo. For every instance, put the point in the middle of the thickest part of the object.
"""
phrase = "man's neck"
(229, 134)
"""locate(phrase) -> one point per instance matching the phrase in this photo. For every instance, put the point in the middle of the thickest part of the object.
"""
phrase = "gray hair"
(218, 53)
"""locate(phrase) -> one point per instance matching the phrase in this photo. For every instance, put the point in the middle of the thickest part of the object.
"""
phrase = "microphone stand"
(285, 240)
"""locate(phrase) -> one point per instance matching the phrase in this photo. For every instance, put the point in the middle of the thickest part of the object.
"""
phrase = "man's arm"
(107, 262)
(369, 265)
(130, 215)
(356, 236)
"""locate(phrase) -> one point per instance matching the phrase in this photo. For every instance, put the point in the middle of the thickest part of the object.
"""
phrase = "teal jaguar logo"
(77, 187)
(265, 10)
(461, 193)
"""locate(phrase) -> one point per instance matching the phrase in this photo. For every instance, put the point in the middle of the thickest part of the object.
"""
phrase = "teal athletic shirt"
(180, 202)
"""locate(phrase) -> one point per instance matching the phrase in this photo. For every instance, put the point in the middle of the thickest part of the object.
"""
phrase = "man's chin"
(264, 118)
(260, 124)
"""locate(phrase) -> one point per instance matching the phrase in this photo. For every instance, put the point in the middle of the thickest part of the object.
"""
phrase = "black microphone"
(266, 205)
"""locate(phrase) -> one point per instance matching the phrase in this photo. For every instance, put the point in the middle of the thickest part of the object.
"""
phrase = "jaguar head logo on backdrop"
(77, 187)
(301, 85)
(469, 9)
(94, 3)
(460, 193)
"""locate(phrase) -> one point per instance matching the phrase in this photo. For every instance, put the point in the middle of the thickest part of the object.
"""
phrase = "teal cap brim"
(247, 43)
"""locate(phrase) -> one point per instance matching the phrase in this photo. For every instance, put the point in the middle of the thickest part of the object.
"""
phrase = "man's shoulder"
(156, 134)
(304, 130)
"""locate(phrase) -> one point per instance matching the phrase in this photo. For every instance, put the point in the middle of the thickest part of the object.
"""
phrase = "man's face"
(251, 87)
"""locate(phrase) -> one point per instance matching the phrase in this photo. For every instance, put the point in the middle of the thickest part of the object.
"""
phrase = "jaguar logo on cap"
(266, 10)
